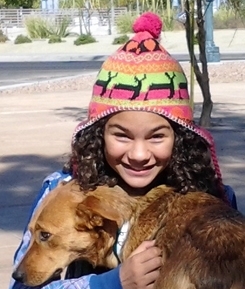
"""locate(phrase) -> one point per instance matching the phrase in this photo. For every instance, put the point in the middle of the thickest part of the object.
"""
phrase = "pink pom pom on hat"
(148, 22)
(142, 75)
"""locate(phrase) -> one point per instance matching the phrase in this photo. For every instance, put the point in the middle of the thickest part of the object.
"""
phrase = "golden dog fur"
(202, 239)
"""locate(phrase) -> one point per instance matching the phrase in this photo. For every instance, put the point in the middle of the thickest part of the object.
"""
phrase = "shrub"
(42, 28)
(37, 27)
(125, 22)
(3, 37)
(22, 39)
(121, 39)
(169, 21)
(228, 18)
(62, 28)
(84, 39)
(54, 39)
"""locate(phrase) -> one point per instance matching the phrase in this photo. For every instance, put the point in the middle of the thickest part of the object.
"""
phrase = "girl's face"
(138, 146)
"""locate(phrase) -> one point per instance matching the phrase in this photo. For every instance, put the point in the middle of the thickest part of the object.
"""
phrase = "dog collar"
(120, 239)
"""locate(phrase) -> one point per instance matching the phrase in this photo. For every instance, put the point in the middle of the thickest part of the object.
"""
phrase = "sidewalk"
(229, 41)
(35, 134)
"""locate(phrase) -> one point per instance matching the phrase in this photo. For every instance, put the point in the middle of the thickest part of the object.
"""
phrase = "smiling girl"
(139, 133)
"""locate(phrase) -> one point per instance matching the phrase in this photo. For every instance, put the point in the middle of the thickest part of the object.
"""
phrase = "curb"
(181, 57)
(53, 58)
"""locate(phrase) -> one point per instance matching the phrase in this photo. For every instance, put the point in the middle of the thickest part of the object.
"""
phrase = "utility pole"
(212, 51)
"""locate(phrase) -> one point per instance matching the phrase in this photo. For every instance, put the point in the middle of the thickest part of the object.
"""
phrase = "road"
(14, 73)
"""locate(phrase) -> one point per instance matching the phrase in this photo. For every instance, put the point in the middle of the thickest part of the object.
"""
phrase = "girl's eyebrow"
(118, 126)
(162, 126)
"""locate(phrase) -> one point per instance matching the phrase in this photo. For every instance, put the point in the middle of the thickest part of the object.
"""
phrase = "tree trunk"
(202, 77)
(205, 119)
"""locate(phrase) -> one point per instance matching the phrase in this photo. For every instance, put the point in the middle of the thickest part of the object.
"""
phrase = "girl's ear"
(96, 211)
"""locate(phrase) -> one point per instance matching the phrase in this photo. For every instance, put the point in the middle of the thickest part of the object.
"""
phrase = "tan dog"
(203, 240)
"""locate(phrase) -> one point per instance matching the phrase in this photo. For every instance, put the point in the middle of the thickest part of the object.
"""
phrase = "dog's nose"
(19, 276)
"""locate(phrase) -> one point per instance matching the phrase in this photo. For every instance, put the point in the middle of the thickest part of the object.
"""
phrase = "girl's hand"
(141, 269)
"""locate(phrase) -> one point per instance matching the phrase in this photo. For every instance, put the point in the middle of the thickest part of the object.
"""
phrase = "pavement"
(35, 133)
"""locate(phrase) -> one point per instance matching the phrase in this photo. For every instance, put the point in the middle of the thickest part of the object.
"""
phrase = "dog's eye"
(44, 236)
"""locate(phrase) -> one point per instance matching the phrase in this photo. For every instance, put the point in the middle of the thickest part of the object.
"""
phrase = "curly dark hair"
(190, 167)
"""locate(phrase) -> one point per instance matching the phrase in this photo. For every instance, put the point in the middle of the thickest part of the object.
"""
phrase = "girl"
(139, 134)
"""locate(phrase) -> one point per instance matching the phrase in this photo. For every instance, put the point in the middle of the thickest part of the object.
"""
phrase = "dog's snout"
(19, 276)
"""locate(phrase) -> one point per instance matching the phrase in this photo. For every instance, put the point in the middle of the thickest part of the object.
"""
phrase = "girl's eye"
(121, 135)
(157, 136)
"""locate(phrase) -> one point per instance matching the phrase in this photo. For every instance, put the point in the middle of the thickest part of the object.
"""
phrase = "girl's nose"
(139, 152)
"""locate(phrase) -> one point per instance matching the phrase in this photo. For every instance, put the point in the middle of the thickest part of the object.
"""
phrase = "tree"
(18, 3)
(2, 4)
(202, 75)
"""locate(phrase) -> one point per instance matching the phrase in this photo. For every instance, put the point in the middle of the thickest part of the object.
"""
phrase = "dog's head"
(71, 225)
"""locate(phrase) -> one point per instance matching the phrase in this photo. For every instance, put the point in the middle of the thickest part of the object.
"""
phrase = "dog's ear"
(94, 212)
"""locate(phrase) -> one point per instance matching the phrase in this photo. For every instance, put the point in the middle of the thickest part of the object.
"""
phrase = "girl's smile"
(137, 171)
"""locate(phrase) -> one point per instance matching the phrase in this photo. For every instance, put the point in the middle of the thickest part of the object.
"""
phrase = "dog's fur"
(202, 239)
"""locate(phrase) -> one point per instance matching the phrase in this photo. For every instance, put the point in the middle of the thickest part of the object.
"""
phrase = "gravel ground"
(226, 72)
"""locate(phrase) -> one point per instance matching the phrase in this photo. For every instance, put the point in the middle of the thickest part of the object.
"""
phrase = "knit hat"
(141, 75)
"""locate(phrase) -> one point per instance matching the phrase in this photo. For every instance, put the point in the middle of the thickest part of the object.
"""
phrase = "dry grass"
(226, 18)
